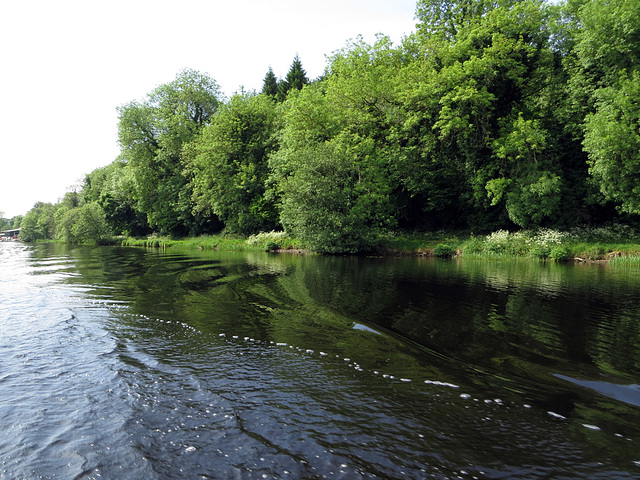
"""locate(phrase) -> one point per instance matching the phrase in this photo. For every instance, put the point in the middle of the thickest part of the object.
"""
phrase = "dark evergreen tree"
(296, 78)
(270, 85)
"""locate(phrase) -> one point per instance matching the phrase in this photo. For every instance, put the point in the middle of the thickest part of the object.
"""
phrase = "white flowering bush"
(269, 240)
(548, 237)
(543, 241)
(539, 243)
(557, 245)
(502, 241)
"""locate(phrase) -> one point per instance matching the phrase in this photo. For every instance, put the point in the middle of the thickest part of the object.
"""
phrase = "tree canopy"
(152, 135)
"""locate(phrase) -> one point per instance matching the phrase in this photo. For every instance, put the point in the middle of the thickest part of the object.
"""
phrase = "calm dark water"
(123, 363)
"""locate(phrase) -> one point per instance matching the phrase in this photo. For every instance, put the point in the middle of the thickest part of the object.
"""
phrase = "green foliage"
(502, 241)
(612, 139)
(536, 243)
(10, 223)
(113, 188)
(270, 84)
(152, 135)
(444, 250)
(39, 223)
(535, 199)
(328, 205)
(91, 225)
(229, 168)
(559, 254)
(629, 261)
(474, 113)
(296, 79)
(203, 242)
(443, 19)
(607, 38)
(85, 224)
(334, 169)
(270, 241)
(66, 218)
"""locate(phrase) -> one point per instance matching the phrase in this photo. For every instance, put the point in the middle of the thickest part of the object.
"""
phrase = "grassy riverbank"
(620, 244)
(262, 242)
(584, 244)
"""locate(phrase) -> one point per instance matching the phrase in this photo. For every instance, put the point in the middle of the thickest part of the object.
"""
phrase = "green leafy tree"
(607, 40)
(66, 218)
(604, 68)
(334, 170)
(152, 135)
(532, 189)
(612, 139)
(5, 223)
(330, 202)
(445, 18)
(71, 199)
(39, 223)
(90, 225)
(113, 187)
(476, 100)
(229, 167)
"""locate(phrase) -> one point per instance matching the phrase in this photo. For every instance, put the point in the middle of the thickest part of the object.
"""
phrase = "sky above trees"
(68, 65)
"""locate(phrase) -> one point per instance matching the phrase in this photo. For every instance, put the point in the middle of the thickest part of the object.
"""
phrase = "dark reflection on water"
(128, 363)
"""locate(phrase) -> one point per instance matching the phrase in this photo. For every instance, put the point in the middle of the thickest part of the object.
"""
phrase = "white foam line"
(442, 384)
(590, 427)
(557, 415)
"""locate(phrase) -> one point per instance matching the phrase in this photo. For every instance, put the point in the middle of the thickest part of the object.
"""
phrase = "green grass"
(621, 245)
(260, 242)
(203, 242)
(630, 261)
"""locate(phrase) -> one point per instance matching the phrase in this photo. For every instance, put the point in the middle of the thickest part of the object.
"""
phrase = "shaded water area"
(142, 364)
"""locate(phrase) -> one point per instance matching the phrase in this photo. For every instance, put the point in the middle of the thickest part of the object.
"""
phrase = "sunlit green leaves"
(152, 135)
(228, 165)
(612, 139)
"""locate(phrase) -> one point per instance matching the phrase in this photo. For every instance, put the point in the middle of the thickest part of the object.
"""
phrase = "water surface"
(143, 364)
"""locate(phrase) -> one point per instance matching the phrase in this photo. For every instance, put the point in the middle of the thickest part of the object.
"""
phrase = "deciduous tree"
(152, 135)
(228, 165)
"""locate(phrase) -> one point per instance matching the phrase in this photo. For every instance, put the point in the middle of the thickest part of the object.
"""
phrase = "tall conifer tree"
(270, 85)
(296, 78)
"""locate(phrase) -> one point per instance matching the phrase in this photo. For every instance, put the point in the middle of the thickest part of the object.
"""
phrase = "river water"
(124, 363)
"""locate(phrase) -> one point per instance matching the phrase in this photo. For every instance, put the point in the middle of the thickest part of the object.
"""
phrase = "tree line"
(492, 114)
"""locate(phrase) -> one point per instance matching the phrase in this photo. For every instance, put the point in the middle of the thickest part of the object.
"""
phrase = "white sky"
(65, 65)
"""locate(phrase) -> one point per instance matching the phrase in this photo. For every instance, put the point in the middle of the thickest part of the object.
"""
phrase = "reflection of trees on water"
(493, 313)
(518, 323)
(485, 312)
